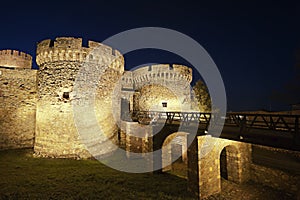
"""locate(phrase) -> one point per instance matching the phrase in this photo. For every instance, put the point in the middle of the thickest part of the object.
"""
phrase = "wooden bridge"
(277, 130)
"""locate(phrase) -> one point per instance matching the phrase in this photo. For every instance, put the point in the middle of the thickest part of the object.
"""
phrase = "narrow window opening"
(66, 95)
(223, 164)
(51, 43)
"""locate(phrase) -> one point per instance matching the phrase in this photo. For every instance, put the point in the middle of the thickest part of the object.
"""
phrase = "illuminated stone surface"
(18, 100)
(60, 63)
(156, 84)
(204, 164)
(15, 59)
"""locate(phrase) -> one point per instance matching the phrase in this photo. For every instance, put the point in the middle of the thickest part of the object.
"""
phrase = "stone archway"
(174, 147)
(223, 164)
(230, 164)
(204, 173)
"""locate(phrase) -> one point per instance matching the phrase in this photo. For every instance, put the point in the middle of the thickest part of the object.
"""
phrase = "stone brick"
(18, 100)
(68, 73)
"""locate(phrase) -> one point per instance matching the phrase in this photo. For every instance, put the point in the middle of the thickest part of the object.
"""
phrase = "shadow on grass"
(26, 177)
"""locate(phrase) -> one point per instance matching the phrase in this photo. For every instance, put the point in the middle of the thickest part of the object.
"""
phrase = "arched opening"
(230, 164)
(174, 154)
(223, 164)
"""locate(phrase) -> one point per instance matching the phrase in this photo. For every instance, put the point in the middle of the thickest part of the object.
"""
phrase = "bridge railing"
(243, 121)
(276, 122)
(246, 122)
(148, 117)
(281, 122)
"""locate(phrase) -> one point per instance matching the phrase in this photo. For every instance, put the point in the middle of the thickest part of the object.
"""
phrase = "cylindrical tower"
(17, 100)
(15, 59)
(163, 87)
(60, 62)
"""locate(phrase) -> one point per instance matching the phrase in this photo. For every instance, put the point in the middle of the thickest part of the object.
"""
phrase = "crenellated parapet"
(162, 74)
(155, 84)
(70, 49)
(15, 59)
(127, 80)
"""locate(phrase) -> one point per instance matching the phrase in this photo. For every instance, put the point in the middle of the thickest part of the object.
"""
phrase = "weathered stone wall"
(127, 80)
(17, 107)
(136, 138)
(127, 93)
(152, 96)
(204, 164)
(273, 167)
(63, 63)
(15, 59)
(174, 146)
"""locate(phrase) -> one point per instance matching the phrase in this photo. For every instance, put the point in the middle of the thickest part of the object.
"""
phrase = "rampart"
(70, 49)
(15, 59)
(163, 74)
(18, 100)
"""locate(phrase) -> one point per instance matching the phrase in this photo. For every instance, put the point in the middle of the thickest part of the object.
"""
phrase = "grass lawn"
(24, 177)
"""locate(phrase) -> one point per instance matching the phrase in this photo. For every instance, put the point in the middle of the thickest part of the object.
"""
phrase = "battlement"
(15, 59)
(127, 79)
(72, 49)
(162, 72)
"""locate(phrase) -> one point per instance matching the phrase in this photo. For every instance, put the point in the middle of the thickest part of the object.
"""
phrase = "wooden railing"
(148, 117)
(274, 122)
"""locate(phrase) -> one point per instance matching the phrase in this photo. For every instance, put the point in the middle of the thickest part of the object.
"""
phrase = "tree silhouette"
(201, 97)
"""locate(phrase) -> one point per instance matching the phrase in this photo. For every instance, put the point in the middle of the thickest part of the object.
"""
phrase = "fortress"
(37, 105)
(86, 89)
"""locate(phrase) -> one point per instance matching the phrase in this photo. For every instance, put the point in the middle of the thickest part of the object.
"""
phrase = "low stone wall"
(135, 137)
(204, 176)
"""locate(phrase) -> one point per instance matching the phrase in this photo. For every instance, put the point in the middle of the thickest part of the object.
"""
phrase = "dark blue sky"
(253, 44)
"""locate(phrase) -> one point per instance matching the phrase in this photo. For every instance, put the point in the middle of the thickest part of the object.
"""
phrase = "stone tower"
(156, 85)
(18, 100)
(61, 62)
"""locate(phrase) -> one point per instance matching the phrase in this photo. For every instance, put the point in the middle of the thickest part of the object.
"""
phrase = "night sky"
(253, 44)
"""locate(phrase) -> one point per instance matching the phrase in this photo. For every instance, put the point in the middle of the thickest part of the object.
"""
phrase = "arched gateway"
(211, 158)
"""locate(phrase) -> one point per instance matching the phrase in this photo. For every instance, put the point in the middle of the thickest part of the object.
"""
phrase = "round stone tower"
(15, 59)
(160, 87)
(18, 100)
(61, 62)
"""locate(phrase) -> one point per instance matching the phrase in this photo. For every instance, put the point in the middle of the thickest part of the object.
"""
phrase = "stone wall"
(136, 138)
(204, 164)
(127, 81)
(14, 58)
(17, 107)
(152, 97)
(174, 147)
(272, 167)
(75, 77)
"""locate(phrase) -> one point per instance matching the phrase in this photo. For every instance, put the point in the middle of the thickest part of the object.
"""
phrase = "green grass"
(24, 177)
